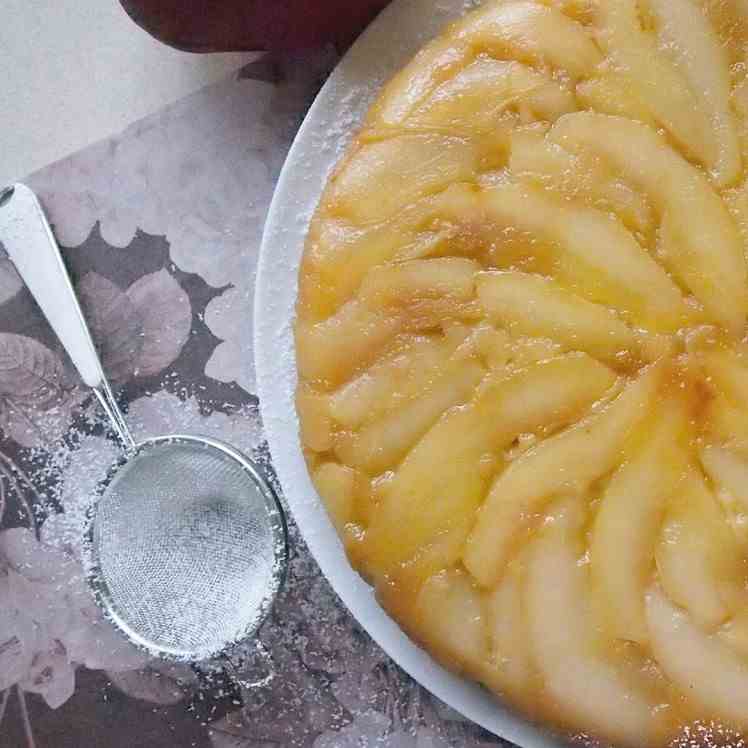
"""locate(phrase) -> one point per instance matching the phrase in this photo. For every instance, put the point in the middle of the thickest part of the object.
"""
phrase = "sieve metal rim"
(100, 589)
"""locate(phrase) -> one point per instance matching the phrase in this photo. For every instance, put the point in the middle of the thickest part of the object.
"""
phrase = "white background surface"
(75, 71)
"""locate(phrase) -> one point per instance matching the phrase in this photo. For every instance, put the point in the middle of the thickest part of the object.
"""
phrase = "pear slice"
(535, 158)
(411, 296)
(703, 668)
(701, 56)
(336, 484)
(614, 93)
(699, 560)
(339, 253)
(377, 179)
(584, 688)
(531, 33)
(592, 253)
(438, 61)
(439, 485)
(449, 619)
(656, 79)
(412, 365)
(728, 471)
(568, 461)
(480, 94)
(701, 244)
(330, 352)
(626, 527)
(381, 444)
(511, 667)
(531, 305)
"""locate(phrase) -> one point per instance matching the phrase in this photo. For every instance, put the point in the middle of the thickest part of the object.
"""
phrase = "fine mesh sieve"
(184, 546)
(186, 541)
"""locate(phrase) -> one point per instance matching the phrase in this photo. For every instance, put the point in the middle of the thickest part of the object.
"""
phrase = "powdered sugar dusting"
(708, 735)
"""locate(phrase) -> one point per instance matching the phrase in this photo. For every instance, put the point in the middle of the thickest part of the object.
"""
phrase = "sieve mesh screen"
(185, 548)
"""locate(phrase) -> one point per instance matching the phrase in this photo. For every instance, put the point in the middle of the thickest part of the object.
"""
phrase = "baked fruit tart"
(523, 364)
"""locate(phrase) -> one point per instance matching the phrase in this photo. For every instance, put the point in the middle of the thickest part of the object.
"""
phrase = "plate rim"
(344, 94)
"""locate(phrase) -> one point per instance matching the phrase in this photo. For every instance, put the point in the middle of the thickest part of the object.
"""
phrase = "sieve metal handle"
(30, 244)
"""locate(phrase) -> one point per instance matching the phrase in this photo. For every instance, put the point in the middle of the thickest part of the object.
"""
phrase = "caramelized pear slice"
(702, 58)
(701, 243)
(478, 97)
(656, 79)
(628, 521)
(568, 461)
(703, 668)
(535, 306)
(531, 33)
(699, 560)
(440, 484)
(583, 688)
(592, 253)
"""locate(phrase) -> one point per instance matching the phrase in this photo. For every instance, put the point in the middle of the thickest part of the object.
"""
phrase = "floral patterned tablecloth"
(160, 227)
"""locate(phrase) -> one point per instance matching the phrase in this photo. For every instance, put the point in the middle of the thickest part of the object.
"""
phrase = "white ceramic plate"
(385, 47)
